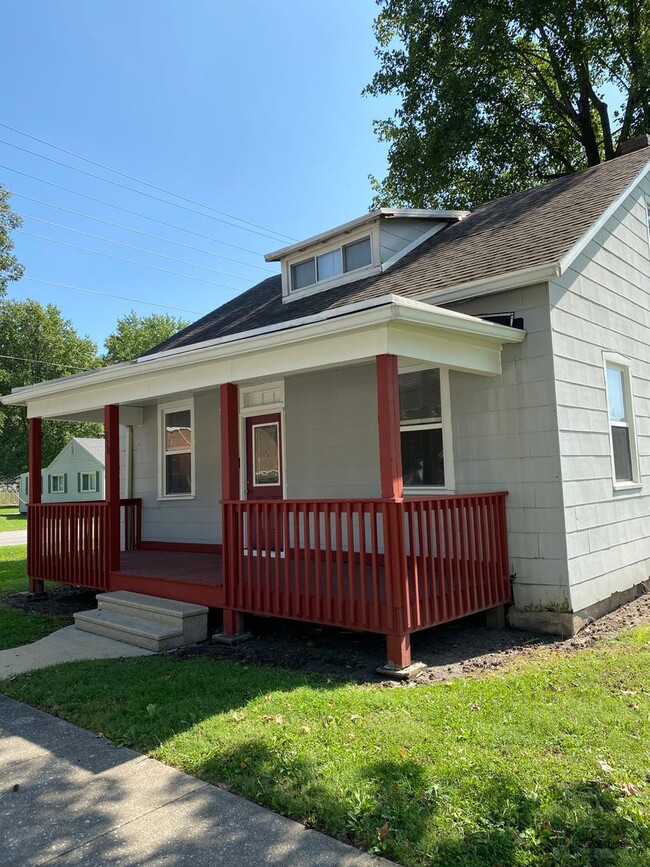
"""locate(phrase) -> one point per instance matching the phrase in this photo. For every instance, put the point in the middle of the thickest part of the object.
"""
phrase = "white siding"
(193, 520)
(505, 438)
(602, 304)
(332, 442)
(396, 234)
(72, 460)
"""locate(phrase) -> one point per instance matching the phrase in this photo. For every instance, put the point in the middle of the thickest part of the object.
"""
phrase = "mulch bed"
(464, 648)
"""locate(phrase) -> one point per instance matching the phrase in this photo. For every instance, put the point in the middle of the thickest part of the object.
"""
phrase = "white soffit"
(387, 325)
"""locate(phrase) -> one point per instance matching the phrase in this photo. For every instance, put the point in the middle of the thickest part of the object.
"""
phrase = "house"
(75, 475)
(426, 414)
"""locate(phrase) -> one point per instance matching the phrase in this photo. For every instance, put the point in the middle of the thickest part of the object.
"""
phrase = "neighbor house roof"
(95, 446)
(516, 233)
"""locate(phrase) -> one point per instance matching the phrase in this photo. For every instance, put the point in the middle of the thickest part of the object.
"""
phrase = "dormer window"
(325, 266)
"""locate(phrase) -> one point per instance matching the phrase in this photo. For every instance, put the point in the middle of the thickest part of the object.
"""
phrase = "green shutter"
(49, 483)
(79, 482)
(65, 483)
(97, 481)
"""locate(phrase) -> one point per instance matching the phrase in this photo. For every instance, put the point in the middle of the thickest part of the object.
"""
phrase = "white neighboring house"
(75, 475)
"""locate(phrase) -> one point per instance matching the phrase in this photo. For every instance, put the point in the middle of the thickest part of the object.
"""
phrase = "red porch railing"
(370, 564)
(68, 542)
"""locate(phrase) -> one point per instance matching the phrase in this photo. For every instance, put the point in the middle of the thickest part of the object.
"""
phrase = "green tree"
(502, 95)
(9, 267)
(134, 335)
(36, 344)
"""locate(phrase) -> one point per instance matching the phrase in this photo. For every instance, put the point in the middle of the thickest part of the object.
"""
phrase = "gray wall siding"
(332, 444)
(194, 520)
(505, 438)
(602, 304)
(70, 461)
(394, 235)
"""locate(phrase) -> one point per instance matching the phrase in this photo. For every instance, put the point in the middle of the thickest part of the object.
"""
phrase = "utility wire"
(144, 183)
(46, 363)
(128, 211)
(135, 190)
(110, 295)
(16, 195)
(133, 247)
(130, 261)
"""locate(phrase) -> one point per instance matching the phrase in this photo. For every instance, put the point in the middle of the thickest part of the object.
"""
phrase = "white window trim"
(163, 409)
(340, 279)
(619, 362)
(447, 439)
(60, 481)
(276, 425)
(92, 489)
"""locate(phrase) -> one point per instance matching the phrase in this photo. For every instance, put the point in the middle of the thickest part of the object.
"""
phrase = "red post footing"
(233, 622)
(398, 650)
(36, 586)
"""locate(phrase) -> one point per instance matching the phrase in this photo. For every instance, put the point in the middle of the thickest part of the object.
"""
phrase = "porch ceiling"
(391, 325)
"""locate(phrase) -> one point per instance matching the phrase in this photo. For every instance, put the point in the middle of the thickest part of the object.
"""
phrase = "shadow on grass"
(391, 806)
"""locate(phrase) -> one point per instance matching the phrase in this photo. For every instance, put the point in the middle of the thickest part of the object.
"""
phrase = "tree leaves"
(501, 96)
(10, 269)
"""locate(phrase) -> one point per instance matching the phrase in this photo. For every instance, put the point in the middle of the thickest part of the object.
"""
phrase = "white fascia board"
(491, 285)
(589, 235)
(373, 216)
(173, 371)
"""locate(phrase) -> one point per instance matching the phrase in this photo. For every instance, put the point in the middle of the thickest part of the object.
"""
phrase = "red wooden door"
(264, 457)
(264, 480)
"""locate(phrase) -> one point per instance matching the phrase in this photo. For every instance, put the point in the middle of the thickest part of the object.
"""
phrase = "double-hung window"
(177, 450)
(421, 423)
(57, 484)
(87, 483)
(625, 463)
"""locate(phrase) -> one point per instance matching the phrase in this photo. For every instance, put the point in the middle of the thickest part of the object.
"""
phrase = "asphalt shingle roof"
(532, 228)
(96, 446)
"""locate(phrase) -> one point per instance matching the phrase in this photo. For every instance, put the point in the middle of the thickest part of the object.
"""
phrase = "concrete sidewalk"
(66, 795)
(65, 645)
(13, 537)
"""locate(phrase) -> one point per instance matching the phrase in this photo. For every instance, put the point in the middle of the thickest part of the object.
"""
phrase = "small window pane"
(266, 454)
(178, 431)
(357, 255)
(178, 474)
(329, 264)
(419, 397)
(616, 394)
(303, 274)
(422, 458)
(622, 454)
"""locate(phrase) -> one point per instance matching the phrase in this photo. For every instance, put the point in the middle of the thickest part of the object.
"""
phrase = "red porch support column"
(392, 488)
(233, 628)
(390, 448)
(112, 482)
(34, 543)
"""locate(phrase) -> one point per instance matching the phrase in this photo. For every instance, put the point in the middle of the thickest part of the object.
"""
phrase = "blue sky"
(252, 108)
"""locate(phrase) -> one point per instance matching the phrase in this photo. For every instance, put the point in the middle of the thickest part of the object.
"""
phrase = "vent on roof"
(634, 144)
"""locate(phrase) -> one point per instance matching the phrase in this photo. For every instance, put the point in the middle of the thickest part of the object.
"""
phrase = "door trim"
(246, 396)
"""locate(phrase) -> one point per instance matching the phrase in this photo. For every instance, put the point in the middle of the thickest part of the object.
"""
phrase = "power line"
(133, 247)
(130, 261)
(144, 183)
(111, 295)
(135, 190)
(128, 211)
(46, 363)
(16, 195)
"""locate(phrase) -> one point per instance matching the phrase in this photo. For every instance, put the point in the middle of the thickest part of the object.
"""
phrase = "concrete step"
(130, 630)
(136, 618)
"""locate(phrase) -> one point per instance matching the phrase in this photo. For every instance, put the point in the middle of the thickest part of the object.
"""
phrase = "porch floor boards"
(178, 566)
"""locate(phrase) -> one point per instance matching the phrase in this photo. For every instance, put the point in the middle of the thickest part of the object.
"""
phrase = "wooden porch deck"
(182, 575)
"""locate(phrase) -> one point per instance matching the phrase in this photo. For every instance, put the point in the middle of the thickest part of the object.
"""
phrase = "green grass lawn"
(545, 765)
(11, 519)
(16, 627)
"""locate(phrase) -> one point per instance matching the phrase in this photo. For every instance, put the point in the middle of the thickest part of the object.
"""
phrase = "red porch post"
(112, 482)
(232, 619)
(34, 544)
(392, 488)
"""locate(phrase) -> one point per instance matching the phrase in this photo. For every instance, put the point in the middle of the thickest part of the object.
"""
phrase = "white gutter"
(374, 312)
(490, 285)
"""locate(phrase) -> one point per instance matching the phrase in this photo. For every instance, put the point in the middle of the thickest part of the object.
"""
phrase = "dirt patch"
(464, 648)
